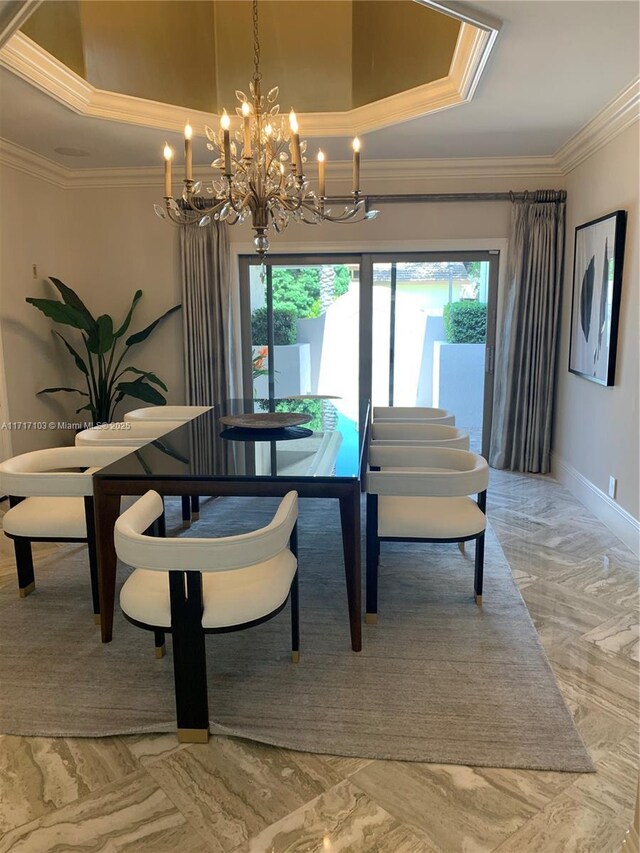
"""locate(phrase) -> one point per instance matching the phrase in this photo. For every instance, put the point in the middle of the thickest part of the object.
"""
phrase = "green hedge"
(285, 327)
(465, 322)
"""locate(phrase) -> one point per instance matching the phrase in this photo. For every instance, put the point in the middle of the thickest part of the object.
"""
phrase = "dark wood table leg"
(350, 520)
(107, 509)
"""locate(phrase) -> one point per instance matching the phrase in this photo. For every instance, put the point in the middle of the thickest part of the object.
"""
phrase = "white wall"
(596, 428)
(105, 244)
(34, 224)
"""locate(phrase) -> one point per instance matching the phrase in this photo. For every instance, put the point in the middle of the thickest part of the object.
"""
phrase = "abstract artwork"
(597, 282)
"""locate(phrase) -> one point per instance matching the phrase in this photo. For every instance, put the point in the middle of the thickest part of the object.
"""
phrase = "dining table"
(215, 455)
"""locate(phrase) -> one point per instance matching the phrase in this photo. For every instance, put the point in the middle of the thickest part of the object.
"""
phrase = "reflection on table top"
(196, 449)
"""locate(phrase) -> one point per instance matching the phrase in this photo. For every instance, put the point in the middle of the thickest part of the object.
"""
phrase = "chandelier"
(261, 169)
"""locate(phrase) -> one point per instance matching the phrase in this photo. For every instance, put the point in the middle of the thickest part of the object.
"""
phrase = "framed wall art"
(595, 307)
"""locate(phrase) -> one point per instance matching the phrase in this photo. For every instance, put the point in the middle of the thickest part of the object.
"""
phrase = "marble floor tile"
(611, 575)
(231, 790)
(612, 789)
(343, 766)
(600, 730)
(568, 826)
(39, 775)
(151, 747)
(607, 681)
(130, 816)
(551, 604)
(342, 820)
(619, 635)
(456, 808)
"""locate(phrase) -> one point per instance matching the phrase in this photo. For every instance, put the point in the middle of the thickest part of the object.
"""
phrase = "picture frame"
(598, 256)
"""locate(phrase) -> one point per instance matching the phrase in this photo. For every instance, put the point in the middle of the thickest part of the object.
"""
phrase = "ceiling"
(556, 63)
(325, 56)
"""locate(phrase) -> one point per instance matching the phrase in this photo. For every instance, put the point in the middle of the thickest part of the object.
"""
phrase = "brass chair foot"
(295, 657)
(461, 547)
(193, 735)
(186, 525)
(371, 618)
(24, 591)
(161, 651)
(478, 599)
(97, 619)
(195, 516)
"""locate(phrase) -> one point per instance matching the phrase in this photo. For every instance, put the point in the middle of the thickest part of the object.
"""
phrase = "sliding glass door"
(404, 330)
(433, 335)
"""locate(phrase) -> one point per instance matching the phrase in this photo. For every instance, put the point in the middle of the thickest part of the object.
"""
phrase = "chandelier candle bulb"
(225, 124)
(296, 157)
(168, 154)
(268, 133)
(356, 166)
(321, 180)
(188, 157)
(246, 126)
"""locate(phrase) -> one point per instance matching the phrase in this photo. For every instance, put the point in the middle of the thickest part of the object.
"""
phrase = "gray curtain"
(204, 264)
(525, 367)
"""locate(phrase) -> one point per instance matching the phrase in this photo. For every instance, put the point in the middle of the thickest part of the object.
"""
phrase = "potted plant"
(105, 350)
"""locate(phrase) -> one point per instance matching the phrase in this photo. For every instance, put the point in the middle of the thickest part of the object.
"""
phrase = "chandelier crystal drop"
(261, 168)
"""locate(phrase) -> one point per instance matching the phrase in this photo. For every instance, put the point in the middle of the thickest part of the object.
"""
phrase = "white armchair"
(51, 498)
(124, 434)
(166, 413)
(423, 414)
(426, 434)
(192, 587)
(422, 494)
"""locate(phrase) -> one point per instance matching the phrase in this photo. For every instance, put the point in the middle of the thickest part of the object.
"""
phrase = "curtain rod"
(527, 195)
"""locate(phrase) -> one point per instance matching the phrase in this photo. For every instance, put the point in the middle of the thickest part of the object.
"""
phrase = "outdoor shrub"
(465, 322)
(285, 328)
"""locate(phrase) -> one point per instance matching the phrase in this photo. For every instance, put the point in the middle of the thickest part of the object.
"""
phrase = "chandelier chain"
(256, 43)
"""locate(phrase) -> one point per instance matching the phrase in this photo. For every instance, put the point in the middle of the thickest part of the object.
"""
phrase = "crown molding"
(616, 116)
(35, 165)
(381, 171)
(32, 63)
(15, 16)
(613, 119)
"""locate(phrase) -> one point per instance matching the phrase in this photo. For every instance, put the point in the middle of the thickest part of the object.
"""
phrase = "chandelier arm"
(203, 211)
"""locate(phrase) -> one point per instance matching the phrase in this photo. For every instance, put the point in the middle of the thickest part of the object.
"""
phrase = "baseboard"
(611, 514)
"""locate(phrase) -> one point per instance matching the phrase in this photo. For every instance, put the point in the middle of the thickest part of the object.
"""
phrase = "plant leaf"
(61, 313)
(141, 391)
(88, 408)
(71, 298)
(166, 448)
(138, 337)
(100, 340)
(143, 464)
(148, 375)
(80, 364)
(127, 320)
(53, 391)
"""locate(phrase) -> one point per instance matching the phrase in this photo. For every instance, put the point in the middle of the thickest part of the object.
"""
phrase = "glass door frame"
(294, 260)
(490, 256)
(366, 261)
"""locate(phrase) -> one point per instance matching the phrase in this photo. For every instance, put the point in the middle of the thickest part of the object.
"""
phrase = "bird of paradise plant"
(106, 379)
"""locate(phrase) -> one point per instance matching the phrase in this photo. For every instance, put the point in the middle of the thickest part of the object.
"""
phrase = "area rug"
(439, 679)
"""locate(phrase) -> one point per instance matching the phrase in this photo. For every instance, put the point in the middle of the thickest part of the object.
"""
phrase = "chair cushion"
(47, 518)
(429, 518)
(230, 598)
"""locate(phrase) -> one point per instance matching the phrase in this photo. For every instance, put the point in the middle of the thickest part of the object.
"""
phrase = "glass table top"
(330, 444)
